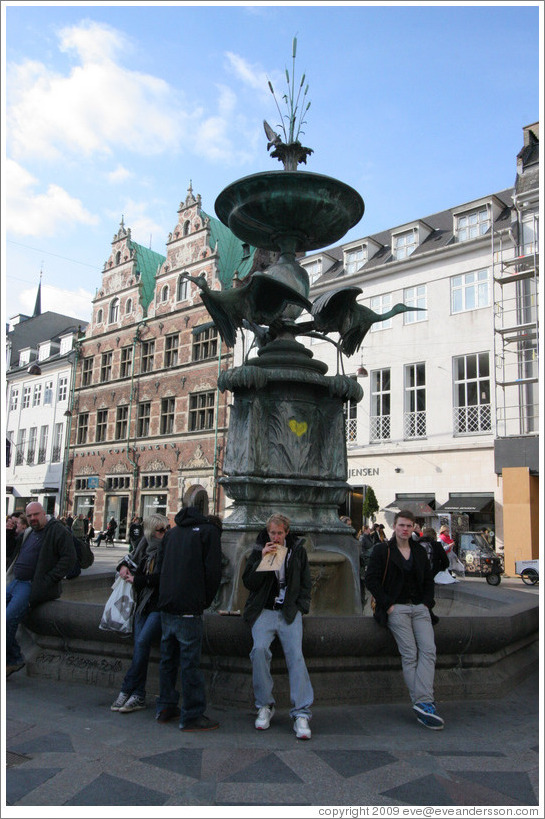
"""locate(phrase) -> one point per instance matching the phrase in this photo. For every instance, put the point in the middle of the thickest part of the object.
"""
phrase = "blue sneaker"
(427, 716)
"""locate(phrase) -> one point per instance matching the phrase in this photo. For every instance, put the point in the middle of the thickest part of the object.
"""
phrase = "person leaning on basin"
(42, 559)
(400, 578)
(275, 607)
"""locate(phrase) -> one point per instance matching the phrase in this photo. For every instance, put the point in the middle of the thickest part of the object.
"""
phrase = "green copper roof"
(147, 264)
(231, 252)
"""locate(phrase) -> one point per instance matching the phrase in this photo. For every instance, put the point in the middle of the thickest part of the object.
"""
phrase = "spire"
(38, 305)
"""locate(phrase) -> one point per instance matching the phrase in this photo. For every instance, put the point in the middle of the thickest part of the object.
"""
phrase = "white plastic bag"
(118, 612)
(444, 578)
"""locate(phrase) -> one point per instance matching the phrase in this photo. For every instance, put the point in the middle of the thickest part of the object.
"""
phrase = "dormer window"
(44, 351)
(245, 251)
(24, 357)
(114, 311)
(472, 224)
(314, 269)
(354, 259)
(403, 244)
(66, 344)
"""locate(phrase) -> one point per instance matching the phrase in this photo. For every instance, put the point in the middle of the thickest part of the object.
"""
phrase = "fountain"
(286, 452)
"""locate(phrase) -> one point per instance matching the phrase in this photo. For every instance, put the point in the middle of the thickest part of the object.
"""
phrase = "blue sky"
(111, 110)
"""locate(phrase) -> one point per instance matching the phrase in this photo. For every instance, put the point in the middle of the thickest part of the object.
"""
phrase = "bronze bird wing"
(332, 310)
(268, 297)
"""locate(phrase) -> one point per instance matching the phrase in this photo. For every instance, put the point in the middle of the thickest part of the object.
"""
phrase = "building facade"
(423, 437)
(39, 380)
(149, 424)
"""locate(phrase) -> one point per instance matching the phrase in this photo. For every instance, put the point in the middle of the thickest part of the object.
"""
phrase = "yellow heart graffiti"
(299, 427)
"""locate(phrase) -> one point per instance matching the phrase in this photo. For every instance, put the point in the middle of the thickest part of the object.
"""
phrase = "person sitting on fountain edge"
(400, 578)
(275, 606)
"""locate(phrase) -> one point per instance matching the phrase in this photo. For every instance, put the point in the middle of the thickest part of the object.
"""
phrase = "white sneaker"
(302, 728)
(120, 701)
(264, 716)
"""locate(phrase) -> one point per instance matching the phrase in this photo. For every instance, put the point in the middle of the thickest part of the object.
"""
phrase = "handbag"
(373, 601)
(118, 612)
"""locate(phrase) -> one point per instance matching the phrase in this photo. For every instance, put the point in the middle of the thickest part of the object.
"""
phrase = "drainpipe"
(214, 489)
(136, 339)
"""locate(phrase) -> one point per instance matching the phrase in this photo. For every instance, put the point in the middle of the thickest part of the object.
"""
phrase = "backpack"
(84, 552)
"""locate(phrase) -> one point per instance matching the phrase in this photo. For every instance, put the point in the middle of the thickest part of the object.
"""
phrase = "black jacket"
(56, 558)
(436, 554)
(387, 592)
(189, 564)
(298, 583)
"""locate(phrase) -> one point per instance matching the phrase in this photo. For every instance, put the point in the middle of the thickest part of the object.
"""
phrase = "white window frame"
(472, 415)
(25, 404)
(24, 357)
(381, 304)
(416, 296)
(56, 449)
(37, 395)
(113, 312)
(414, 413)
(472, 223)
(314, 269)
(14, 399)
(62, 388)
(381, 398)
(182, 289)
(48, 393)
(405, 243)
(42, 446)
(66, 344)
(44, 351)
(31, 449)
(354, 259)
(470, 291)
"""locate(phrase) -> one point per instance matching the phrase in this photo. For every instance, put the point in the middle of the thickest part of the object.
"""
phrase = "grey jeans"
(413, 633)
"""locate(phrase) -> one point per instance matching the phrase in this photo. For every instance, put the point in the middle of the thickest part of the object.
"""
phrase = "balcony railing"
(41, 456)
(379, 429)
(56, 454)
(351, 427)
(414, 424)
(471, 420)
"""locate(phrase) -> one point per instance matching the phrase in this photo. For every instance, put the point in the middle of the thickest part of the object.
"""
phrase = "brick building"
(148, 424)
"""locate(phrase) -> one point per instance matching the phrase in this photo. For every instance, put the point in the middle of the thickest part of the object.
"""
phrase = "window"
(470, 291)
(381, 304)
(143, 420)
(83, 427)
(167, 416)
(106, 367)
(530, 235)
(354, 259)
(99, 316)
(66, 344)
(114, 311)
(44, 351)
(164, 293)
(21, 441)
(126, 362)
(9, 447)
(24, 357)
(415, 297)
(37, 395)
(205, 344)
(380, 405)
(121, 423)
(245, 250)
(26, 398)
(62, 388)
(42, 449)
(314, 270)
(148, 350)
(118, 482)
(472, 225)
(181, 289)
(48, 392)
(350, 410)
(171, 350)
(57, 443)
(187, 228)
(404, 244)
(102, 425)
(201, 411)
(414, 418)
(87, 371)
(118, 257)
(472, 394)
(128, 306)
(32, 436)
(14, 399)
(154, 481)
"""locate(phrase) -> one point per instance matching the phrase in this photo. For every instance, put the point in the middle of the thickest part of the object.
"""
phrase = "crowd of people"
(175, 573)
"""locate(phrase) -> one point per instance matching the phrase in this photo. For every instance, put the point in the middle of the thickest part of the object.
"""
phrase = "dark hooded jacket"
(260, 584)
(189, 564)
(56, 558)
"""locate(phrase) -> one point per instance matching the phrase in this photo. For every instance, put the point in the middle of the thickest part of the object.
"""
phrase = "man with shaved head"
(45, 555)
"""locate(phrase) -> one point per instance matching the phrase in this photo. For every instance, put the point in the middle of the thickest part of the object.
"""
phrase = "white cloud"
(98, 106)
(76, 303)
(142, 225)
(120, 174)
(251, 75)
(30, 213)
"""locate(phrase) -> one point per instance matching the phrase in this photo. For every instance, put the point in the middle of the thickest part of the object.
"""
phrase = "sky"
(111, 111)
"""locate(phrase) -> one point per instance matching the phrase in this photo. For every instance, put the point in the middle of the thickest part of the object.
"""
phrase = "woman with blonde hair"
(140, 569)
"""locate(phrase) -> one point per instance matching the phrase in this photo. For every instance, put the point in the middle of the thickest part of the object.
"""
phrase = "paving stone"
(22, 780)
(267, 769)
(427, 790)
(185, 761)
(514, 784)
(352, 763)
(55, 742)
(111, 790)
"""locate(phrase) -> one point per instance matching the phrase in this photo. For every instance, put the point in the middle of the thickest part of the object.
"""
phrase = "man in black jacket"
(278, 598)
(190, 574)
(400, 578)
(45, 555)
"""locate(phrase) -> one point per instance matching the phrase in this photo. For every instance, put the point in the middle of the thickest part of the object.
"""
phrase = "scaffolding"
(515, 267)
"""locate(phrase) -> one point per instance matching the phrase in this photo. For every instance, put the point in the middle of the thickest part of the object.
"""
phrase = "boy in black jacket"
(278, 598)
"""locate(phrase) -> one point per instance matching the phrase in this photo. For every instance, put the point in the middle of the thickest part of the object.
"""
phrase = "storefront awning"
(466, 503)
(419, 505)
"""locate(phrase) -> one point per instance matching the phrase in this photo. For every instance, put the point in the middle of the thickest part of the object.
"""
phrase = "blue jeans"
(413, 632)
(17, 597)
(146, 629)
(268, 624)
(181, 650)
